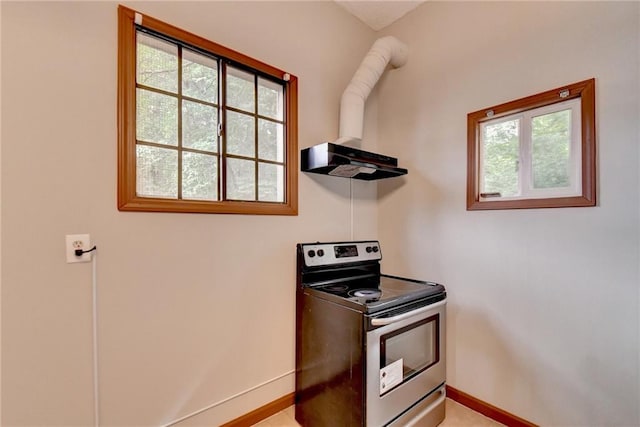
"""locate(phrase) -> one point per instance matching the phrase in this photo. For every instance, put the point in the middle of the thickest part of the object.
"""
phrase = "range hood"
(344, 161)
(338, 158)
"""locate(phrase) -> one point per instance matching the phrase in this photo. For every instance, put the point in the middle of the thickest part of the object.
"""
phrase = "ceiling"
(379, 14)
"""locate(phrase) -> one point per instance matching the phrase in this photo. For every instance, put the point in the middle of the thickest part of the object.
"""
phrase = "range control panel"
(318, 254)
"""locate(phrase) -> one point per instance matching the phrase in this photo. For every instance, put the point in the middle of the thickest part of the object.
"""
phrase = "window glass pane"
(240, 134)
(550, 146)
(199, 126)
(157, 63)
(270, 140)
(156, 117)
(500, 148)
(156, 172)
(241, 181)
(270, 182)
(240, 89)
(199, 76)
(199, 176)
(270, 99)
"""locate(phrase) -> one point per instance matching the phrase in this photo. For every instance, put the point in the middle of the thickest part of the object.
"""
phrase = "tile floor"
(457, 416)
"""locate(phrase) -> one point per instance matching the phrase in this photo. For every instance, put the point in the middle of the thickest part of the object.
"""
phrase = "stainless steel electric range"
(370, 348)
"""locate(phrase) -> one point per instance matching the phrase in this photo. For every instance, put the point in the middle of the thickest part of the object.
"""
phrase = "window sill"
(139, 204)
(556, 202)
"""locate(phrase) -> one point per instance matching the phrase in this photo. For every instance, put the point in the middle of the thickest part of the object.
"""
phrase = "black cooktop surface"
(378, 292)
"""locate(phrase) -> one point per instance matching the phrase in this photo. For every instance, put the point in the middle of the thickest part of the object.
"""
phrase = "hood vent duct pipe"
(338, 158)
(385, 50)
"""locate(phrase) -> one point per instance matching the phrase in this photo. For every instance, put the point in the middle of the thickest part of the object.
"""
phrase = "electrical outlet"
(77, 241)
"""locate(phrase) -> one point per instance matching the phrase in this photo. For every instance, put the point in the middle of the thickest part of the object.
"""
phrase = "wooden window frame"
(128, 200)
(585, 91)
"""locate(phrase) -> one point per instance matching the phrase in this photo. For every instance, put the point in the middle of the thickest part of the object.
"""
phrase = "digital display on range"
(346, 251)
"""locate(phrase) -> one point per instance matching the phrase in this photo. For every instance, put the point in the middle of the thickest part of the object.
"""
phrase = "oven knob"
(311, 253)
(369, 249)
(320, 252)
(375, 249)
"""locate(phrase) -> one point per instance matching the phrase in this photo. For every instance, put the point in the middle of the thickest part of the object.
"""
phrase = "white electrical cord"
(94, 311)
(351, 205)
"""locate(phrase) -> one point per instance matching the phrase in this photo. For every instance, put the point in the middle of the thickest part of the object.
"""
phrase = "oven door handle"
(425, 411)
(381, 321)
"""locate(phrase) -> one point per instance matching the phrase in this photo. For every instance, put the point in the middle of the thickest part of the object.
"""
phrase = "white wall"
(543, 316)
(193, 309)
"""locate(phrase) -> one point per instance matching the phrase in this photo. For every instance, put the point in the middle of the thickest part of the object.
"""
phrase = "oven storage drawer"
(428, 412)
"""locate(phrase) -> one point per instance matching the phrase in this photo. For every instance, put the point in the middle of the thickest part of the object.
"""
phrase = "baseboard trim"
(484, 408)
(487, 409)
(262, 412)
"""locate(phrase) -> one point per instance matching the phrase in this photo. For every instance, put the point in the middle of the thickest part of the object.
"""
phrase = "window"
(534, 152)
(202, 128)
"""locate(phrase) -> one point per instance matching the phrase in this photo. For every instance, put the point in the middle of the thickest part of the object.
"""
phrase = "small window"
(202, 128)
(534, 152)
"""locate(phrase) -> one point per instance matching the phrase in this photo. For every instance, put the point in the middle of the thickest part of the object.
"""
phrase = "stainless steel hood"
(340, 160)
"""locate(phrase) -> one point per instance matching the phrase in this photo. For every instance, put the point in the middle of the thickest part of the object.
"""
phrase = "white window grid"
(525, 170)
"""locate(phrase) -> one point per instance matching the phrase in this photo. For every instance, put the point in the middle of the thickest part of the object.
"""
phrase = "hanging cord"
(351, 205)
(79, 252)
(94, 292)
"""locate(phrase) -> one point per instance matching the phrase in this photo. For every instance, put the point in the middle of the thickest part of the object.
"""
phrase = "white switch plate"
(77, 241)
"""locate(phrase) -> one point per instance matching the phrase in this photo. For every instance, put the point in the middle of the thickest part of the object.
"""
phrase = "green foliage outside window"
(501, 150)
(550, 153)
(550, 143)
(195, 131)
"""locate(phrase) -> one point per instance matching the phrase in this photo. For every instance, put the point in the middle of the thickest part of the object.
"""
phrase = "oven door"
(405, 363)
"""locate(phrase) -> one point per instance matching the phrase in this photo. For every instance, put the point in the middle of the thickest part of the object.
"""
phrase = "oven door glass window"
(408, 351)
